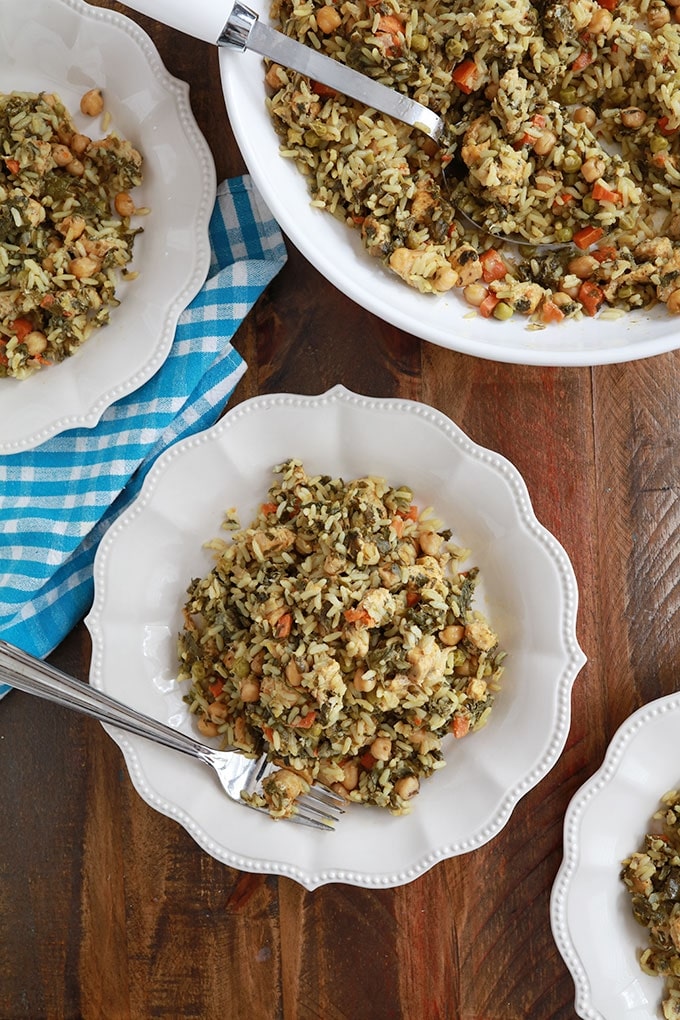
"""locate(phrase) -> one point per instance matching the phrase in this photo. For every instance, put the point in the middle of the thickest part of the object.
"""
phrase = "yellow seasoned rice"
(562, 125)
(335, 634)
(652, 877)
(65, 233)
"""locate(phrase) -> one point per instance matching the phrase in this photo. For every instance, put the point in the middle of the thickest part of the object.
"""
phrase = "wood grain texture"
(110, 911)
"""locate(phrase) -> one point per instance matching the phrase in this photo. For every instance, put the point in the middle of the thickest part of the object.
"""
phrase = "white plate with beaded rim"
(592, 920)
(68, 47)
(528, 589)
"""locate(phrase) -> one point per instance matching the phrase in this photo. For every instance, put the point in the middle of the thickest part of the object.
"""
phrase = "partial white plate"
(338, 254)
(607, 819)
(149, 556)
(68, 47)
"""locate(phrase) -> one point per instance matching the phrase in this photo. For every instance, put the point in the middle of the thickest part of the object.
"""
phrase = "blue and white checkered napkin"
(57, 501)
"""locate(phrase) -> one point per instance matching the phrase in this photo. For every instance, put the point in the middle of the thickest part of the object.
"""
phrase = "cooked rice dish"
(652, 877)
(65, 234)
(334, 634)
(562, 125)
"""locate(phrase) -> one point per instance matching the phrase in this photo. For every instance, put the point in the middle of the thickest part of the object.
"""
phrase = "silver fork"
(320, 808)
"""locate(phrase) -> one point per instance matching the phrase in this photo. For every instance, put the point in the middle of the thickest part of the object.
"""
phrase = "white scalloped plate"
(67, 47)
(148, 557)
(606, 821)
(446, 320)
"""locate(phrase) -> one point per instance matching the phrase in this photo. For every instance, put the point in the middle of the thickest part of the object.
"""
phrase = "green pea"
(572, 162)
(419, 43)
(568, 97)
(564, 234)
(658, 143)
(589, 204)
(502, 311)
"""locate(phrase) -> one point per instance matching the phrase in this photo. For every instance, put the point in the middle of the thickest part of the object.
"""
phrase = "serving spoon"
(243, 30)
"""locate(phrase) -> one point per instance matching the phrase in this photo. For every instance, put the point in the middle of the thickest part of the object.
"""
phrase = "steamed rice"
(564, 118)
(63, 244)
(652, 877)
(334, 635)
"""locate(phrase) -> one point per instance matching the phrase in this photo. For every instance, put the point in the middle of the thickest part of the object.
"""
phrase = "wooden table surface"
(110, 910)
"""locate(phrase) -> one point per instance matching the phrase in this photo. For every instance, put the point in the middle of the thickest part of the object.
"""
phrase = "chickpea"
(92, 103)
(275, 77)
(673, 303)
(218, 711)
(350, 779)
(491, 91)
(36, 342)
(79, 143)
(72, 227)
(474, 294)
(673, 3)
(328, 19)
(444, 279)
(84, 267)
(250, 690)
(658, 15)
(75, 168)
(545, 143)
(452, 635)
(583, 266)
(123, 204)
(600, 22)
(381, 748)
(257, 663)
(584, 115)
(633, 117)
(593, 168)
(363, 683)
(407, 787)
(207, 728)
(61, 154)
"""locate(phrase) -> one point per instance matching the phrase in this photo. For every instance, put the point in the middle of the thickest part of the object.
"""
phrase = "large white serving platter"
(447, 321)
(148, 557)
(68, 47)
(606, 821)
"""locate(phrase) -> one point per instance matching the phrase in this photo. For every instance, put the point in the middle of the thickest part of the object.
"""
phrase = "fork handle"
(34, 676)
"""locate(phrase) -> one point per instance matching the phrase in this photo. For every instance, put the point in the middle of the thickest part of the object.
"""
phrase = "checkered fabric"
(57, 501)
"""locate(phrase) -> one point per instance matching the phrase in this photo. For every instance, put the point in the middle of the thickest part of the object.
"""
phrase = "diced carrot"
(609, 5)
(409, 515)
(12, 165)
(550, 312)
(466, 76)
(367, 761)
(305, 721)
(601, 193)
(283, 625)
(269, 508)
(488, 304)
(591, 297)
(493, 266)
(412, 598)
(358, 615)
(215, 688)
(606, 253)
(48, 301)
(22, 327)
(397, 525)
(561, 200)
(323, 91)
(662, 124)
(268, 733)
(583, 60)
(586, 236)
(460, 726)
(389, 33)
